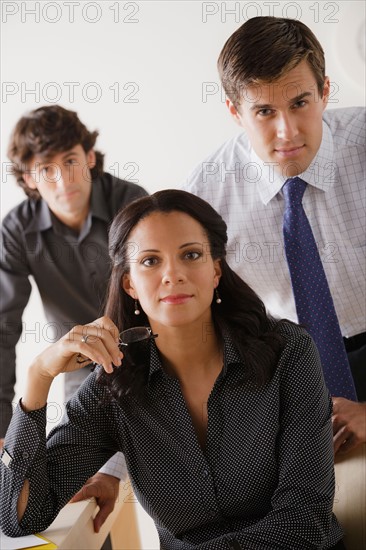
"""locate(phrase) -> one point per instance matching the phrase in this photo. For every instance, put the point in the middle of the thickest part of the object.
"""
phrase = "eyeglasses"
(126, 338)
(135, 334)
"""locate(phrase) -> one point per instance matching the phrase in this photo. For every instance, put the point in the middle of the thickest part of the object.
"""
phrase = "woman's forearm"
(23, 500)
(26, 442)
(35, 397)
(37, 389)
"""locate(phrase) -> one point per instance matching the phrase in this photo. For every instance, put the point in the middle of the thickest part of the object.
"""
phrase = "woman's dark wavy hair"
(240, 311)
(47, 131)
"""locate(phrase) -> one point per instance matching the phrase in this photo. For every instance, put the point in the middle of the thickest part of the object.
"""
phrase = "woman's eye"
(192, 255)
(149, 261)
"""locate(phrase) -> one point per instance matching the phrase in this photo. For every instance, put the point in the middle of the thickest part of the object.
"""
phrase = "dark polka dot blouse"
(264, 482)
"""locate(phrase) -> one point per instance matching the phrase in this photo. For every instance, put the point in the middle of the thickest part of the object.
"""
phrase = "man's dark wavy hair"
(47, 131)
(240, 312)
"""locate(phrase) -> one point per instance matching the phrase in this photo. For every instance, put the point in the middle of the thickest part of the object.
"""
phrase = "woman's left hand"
(97, 341)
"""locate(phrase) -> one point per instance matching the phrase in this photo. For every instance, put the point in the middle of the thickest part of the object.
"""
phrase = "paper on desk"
(29, 541)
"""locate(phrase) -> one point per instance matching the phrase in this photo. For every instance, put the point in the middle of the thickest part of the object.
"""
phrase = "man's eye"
(71, 161)
(265, 112)
(49, 171)
(299, 104)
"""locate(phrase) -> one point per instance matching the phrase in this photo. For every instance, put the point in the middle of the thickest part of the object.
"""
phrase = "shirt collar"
(320, 174)
(98, 203)
(42, 218)
(231, 356)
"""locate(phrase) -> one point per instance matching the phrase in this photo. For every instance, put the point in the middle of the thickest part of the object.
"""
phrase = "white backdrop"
(144, 75)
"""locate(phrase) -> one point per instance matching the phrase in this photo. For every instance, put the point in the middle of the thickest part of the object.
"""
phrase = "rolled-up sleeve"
(56, 467)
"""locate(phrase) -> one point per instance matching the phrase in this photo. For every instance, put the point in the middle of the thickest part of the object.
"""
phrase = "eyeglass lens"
(135, 334)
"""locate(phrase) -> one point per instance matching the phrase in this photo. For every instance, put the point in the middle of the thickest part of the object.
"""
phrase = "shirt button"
(205, 473)
(25, 455)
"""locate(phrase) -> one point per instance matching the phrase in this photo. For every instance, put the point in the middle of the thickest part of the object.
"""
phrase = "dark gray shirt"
(71, 271)
(264, 482)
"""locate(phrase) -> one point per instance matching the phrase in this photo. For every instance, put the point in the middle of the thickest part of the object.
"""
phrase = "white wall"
(144, 74)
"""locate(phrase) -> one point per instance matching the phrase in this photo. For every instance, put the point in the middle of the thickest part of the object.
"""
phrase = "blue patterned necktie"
(314, 303)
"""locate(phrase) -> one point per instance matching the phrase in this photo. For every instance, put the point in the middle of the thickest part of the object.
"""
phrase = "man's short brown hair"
(263, 49)
(47, 131)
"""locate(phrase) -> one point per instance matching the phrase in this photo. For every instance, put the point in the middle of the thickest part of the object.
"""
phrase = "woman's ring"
(84, 339)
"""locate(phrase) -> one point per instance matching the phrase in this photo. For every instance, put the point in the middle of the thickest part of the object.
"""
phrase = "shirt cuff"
(22, 439)
(116, 466)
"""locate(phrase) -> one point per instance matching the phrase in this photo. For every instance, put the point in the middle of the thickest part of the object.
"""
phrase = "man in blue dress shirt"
(273, 73)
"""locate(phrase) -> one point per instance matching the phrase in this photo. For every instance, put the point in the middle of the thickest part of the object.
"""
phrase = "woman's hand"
(97, 341)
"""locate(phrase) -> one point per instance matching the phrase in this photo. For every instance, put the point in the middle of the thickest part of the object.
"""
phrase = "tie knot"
(293, 191)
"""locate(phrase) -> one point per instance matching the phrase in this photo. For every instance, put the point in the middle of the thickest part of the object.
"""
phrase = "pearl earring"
(137, 311)
(218, 299)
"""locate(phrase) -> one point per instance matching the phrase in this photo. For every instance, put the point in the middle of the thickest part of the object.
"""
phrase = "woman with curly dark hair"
(220, 410)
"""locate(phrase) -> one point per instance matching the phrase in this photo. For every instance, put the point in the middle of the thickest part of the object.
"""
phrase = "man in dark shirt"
(59, 234)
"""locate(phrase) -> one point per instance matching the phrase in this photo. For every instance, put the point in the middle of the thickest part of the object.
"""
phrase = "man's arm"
(104, 486)
(15, 290)
(349, 424)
